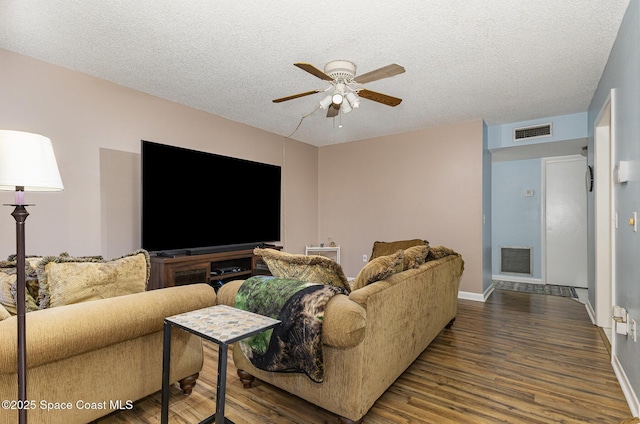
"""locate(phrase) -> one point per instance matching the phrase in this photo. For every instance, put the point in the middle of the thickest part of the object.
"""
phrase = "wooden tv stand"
(191, 269)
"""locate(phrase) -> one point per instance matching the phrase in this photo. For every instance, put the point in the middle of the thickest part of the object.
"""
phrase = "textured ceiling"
(501, 60)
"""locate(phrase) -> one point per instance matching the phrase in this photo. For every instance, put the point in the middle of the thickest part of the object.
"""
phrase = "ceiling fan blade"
(380, 73)
(295, 96)
(333, 110)
(313, 71)
(379, 97)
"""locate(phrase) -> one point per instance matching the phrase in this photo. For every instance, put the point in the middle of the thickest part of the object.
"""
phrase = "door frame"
(604, 213)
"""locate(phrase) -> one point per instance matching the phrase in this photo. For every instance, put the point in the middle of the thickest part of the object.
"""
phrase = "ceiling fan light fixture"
(341, 74)
(346, 107)
(326, 102)
(338, 94)
(353, 100)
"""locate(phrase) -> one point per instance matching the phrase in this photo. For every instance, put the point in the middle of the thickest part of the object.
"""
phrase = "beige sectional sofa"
(87, 359)
(372, 334)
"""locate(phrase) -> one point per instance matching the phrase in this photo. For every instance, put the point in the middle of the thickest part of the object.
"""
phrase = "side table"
(222, 325)
(332, 252)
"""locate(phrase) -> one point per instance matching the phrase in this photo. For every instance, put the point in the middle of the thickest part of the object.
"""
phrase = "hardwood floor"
(517, 358)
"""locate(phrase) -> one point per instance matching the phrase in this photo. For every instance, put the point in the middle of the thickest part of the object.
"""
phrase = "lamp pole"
(20, 214)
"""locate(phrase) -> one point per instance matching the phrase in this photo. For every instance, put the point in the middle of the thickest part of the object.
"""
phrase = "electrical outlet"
(633, 330)
(364, 258)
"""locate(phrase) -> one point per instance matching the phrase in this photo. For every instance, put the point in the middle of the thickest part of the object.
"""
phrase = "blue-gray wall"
(565, 127)
(517, 218)
(622, 73)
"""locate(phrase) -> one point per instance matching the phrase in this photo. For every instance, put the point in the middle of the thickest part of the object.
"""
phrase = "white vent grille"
(516, 260)
(526, 133)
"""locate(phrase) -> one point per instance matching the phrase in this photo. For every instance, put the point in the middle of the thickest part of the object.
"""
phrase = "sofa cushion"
(378, 269)
(386, 248)
(67, 280)
(415, 256)
(312, 268)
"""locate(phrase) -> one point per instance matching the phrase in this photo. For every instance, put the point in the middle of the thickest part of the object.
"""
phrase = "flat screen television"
(196, 202)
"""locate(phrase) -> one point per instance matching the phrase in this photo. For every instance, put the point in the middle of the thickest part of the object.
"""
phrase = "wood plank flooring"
(517, 358)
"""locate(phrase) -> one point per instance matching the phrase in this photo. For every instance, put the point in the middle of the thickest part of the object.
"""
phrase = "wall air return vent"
(516, 260)
(527, 133)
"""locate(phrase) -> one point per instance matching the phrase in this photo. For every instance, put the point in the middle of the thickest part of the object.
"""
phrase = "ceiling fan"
(345, 87)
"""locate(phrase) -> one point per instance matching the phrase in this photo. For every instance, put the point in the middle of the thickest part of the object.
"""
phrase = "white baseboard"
(627, 389)
(591, 312)
(517, 279)
(477, 297)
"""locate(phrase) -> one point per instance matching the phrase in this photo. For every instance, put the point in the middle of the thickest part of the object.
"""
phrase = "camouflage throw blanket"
(296, 344)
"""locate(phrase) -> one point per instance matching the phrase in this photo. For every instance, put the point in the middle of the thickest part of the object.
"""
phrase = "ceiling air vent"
(536, 131)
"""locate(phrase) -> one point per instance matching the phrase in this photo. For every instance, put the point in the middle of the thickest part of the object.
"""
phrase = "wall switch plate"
(364, 258)
(632, 331)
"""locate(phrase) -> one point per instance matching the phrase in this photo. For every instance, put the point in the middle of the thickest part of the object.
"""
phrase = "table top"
(222, 324)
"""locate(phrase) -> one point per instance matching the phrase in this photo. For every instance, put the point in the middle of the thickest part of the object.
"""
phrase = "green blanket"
(296, 344)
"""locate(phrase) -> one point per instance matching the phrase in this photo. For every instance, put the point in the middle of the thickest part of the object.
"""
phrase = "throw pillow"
(4, 314)
(7, 278)
(312, 268)
(378, 269)
(66, 280)
(32, 262)
(9, 290)
(415, 256)
(29, 302)
(32, 277)
(437, 252)
(386, 248)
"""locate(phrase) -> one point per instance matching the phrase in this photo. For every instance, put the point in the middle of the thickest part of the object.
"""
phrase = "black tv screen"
(197, 201)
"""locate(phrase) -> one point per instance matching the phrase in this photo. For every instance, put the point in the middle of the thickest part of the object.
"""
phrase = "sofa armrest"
(60, 332)
(227, 293)
(344, 321)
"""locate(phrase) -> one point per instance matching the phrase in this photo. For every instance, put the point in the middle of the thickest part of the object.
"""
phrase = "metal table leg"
(166, 363)
(222, 383)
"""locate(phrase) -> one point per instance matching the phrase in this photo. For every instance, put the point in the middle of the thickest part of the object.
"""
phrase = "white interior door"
(566, 221)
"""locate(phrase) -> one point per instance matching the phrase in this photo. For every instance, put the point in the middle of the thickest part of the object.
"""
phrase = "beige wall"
(96, 127)
(424, 184)
(421, 184)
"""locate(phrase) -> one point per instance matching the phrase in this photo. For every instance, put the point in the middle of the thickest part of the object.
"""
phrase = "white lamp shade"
(338, 95)
(353, 100)
(27, 160)
(346, 107)
(326, 102)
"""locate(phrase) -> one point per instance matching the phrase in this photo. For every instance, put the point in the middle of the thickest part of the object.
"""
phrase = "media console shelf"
(214, 269)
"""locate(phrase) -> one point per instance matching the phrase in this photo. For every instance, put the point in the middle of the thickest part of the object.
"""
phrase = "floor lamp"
(27, 163)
